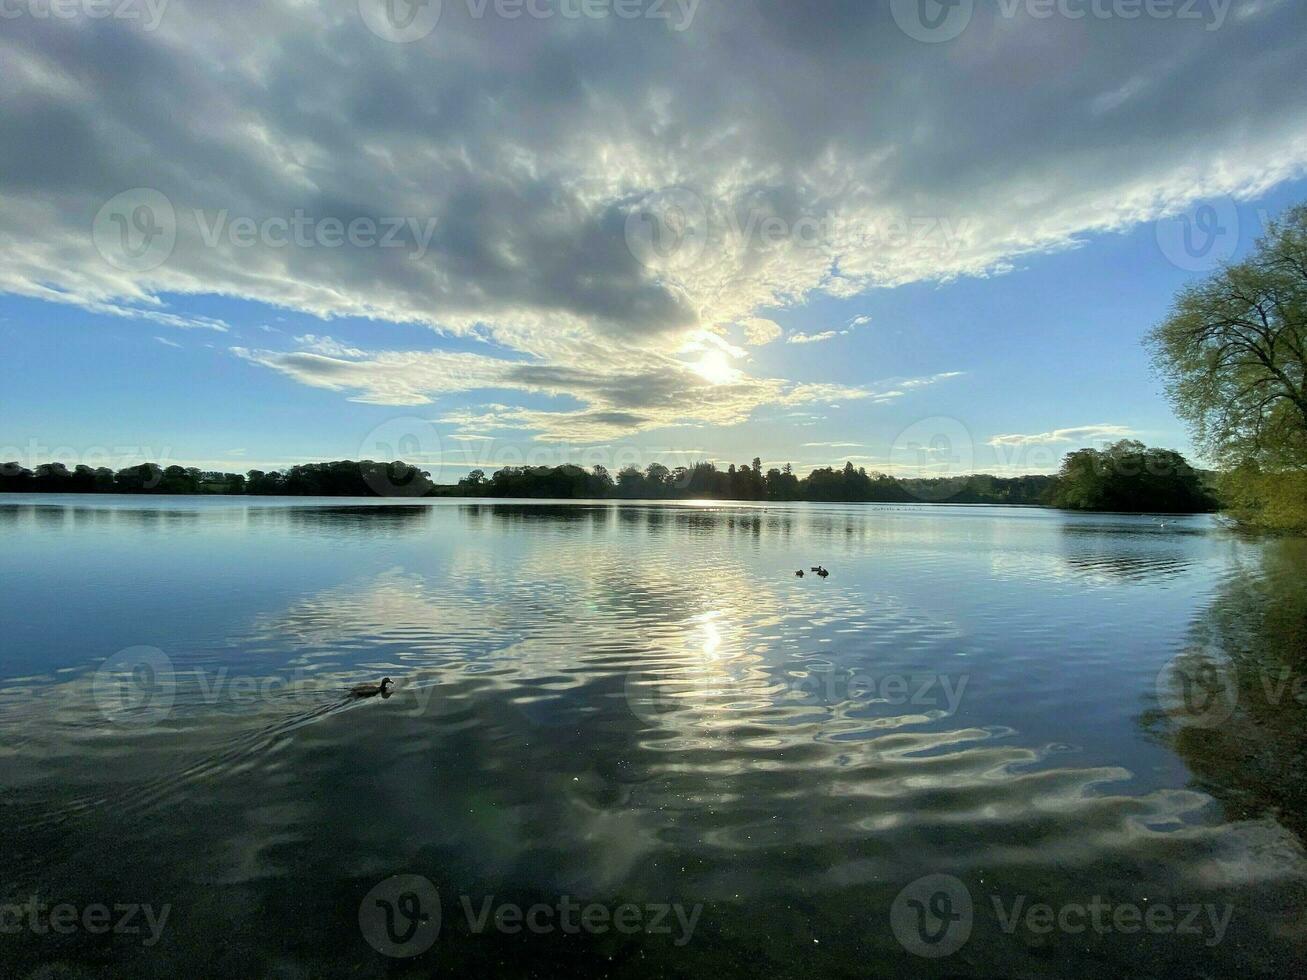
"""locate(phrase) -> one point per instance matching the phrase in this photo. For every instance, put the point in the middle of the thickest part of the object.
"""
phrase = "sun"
(715, 368)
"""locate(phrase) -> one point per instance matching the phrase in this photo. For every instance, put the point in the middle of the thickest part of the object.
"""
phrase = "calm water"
(1085, 733)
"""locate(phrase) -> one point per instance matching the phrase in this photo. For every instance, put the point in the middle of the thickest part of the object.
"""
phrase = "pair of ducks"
(816, 568)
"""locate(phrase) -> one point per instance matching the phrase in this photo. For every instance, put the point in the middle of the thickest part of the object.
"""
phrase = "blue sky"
(972, 258)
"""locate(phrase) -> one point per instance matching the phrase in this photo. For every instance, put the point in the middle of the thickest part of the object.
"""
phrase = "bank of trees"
(1124, 477)
(1129, 477)
(1233, 353)
(345, 478)
(749, 481)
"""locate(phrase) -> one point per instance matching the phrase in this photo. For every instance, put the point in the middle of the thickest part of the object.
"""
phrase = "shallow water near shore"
(639, 710)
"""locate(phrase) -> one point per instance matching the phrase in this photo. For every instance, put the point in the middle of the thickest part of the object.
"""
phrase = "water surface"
(642, 705)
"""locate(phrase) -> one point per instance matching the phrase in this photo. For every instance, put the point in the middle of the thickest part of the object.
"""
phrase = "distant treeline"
(340, 479)
(750, 482)
(1123, 477)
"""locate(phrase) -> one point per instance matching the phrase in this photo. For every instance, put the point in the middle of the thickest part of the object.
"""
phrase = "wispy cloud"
(817, 338)
(168, 343)
(812, 338)
(329, 346)
(654, 392)
(1100, 432)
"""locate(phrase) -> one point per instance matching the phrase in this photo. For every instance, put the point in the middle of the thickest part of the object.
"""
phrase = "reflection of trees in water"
(1131, 568)
(371, 520)
(1254, 761)
(1128, 551)
(629, 517)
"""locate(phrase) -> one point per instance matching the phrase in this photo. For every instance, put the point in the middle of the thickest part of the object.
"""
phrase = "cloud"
(812, 338)
(759, 331)
(556, 190)
(329, 346)
(1084, 434)
(817, 338)
(653, 392)
(168, 343)
(901, 386)
(834, 445)
(932, 379)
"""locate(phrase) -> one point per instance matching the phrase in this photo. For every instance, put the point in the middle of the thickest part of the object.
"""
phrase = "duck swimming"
(372, 690)
(799, 573)
(822, 572)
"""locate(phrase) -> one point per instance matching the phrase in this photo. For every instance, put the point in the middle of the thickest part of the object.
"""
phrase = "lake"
(626, 739)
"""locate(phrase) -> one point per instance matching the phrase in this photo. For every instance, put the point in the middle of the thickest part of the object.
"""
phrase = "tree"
(1233, 353)
(1128, 476)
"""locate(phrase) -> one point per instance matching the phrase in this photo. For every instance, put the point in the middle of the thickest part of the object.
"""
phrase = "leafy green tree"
(1128, 476)
(1233, 353)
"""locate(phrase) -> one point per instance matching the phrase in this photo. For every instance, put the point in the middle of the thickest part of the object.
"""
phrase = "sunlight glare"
(715, 367)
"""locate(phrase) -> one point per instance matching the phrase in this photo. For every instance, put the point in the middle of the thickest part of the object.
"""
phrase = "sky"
(925, 237)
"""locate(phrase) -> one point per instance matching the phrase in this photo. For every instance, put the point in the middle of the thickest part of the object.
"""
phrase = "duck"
(815, 568)
(799, 573)
(372, 690)
(822, 572)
